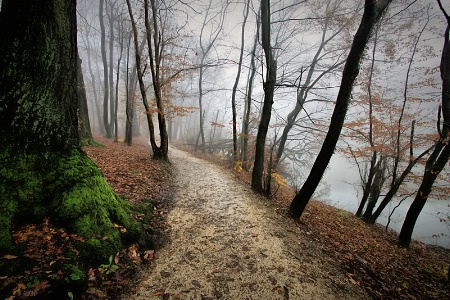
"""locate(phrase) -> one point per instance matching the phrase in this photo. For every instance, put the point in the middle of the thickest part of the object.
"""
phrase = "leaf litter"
(328, 253)
(46, 265)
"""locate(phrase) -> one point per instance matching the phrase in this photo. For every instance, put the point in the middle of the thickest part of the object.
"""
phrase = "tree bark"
(269, 89)
(248, 105)
(200, 108)
(371, 15)
(435, 163)
(116, 102)
(398, 182)
(236, 82)
(111, 20)
(131, 90)
(205, 48)
(309, 83)
(84, 127)
(141, 81)
(368, 184)
(441, 154)
(44, 171)
(375, 188)
(105, 71)
(162, 151)
(373, 161)
(94, 85)
(129, 105)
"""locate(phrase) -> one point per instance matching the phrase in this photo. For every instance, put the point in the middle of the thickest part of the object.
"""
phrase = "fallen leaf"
(19, 289)
(353, 281)
(148, 254)
(159, 293)
(9, 256)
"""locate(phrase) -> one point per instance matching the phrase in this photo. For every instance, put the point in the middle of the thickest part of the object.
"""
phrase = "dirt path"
(228, 243)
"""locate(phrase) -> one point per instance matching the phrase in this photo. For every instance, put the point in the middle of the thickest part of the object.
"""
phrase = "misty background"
(310, 41)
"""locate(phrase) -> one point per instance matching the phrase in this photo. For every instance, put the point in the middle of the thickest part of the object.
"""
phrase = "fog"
(297, 29)
(343, 178)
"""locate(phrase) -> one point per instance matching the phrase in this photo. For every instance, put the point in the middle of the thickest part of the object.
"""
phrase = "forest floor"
(216, 239)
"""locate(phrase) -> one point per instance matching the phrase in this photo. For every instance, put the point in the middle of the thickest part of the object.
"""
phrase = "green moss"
(91, 142)
(93, 207)
(73, 273)
(75, 278)
(8, 209)
(72, 191)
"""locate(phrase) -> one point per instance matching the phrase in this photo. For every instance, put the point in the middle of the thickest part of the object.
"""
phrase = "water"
(429, 228)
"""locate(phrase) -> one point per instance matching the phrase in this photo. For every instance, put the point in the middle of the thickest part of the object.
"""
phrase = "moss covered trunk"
(43, 171)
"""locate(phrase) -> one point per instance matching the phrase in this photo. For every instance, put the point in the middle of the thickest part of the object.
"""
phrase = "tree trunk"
(84, 127)
(105, 71)
(236, 82)
(116, 108)
(269, 89)
(200, 108)
(129, 100)
(248, 105)
(44, 171)
(141, 81)
(371, 15)
(111, 20)
(368, 184)
(373, 161)
(375, 188)
(162, 151)
(205, 47)
(94, 87)
(398, 182)
(441, 154)
(435, 163)
(302, 92)
(212, 132)
(131, 90)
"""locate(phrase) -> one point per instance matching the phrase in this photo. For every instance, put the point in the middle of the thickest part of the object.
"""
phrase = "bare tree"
(441, 153)
(396, 181)
(269, 89)
(87, 29)
(318, 67)
(155, 54)
(112, 19)
(84, 125)
(236, 82)
(121, 41)
(105, 71)
(140, 74)
(131, 83)
(206, 43)
(373, 161)
(372, 13)
(248, 102)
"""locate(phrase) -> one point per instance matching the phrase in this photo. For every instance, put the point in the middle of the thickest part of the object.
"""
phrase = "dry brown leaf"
(9, 256)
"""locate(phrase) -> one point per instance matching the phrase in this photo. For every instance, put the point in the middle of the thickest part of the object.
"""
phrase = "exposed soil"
(228, 243)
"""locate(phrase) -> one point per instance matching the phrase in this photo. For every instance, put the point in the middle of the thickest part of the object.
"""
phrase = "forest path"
(225, 242)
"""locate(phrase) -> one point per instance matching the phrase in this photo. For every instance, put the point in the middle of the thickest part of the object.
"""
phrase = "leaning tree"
(44, 172)
(441, 154)
(373, 11)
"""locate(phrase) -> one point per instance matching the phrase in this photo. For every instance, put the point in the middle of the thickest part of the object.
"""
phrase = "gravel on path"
(226, 242)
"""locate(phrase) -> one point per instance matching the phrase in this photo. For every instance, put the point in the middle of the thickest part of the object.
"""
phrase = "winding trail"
(228, 243)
